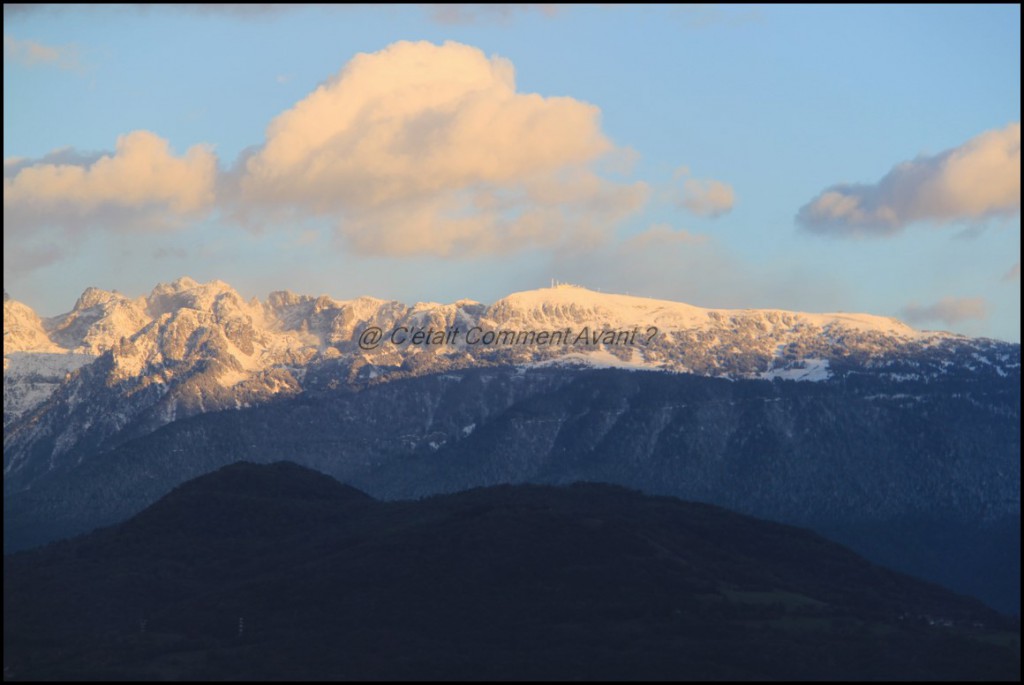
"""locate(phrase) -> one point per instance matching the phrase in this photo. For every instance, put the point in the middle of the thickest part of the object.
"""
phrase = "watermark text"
(374, 337)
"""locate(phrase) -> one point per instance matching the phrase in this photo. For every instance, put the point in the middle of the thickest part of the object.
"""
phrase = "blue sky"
(809, 158)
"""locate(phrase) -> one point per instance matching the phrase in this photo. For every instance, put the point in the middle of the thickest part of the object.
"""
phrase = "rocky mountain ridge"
(208, 348)
(906, 432)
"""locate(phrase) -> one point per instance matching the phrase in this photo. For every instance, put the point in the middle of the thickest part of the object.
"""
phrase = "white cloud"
(52, 204)
(29, 53)
(428, 149)
(142, 174)
(704, 197)
(975, 181)
(663, 235)
(949, 311)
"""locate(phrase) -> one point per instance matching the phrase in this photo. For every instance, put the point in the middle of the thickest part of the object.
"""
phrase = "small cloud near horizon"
(31, 54)
(949, 311)
(975, 181)
(703, 197)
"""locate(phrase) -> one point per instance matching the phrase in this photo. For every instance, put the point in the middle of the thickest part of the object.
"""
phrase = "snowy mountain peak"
(23, 329)
(91, 297)
(324, 303)
(183, 283)
(199, 346)
(98, 321)
(283, 298)
(191, 347)
(191, 287)
(215, 296)
(574, 303)
(565, 303)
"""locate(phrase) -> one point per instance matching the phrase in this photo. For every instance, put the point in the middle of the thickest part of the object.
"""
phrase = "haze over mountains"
(907, 446)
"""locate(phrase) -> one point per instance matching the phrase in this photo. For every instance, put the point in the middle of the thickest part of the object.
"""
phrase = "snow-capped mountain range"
(114, 364)
(908, 440)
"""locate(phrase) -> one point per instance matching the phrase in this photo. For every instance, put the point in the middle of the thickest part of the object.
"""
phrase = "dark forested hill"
(278, 572)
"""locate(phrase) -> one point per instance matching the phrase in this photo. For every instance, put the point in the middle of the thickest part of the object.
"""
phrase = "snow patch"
(813, 370)
(600, 359)
(553, 306)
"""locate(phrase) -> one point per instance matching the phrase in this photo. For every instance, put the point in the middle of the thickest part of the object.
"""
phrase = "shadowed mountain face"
(922, 476)
(278, 572)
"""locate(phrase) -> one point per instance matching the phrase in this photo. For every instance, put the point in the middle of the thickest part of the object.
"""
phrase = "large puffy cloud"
(143, 175)
(949, 311)
(429, 149)
(975, 181)
(51, 203)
